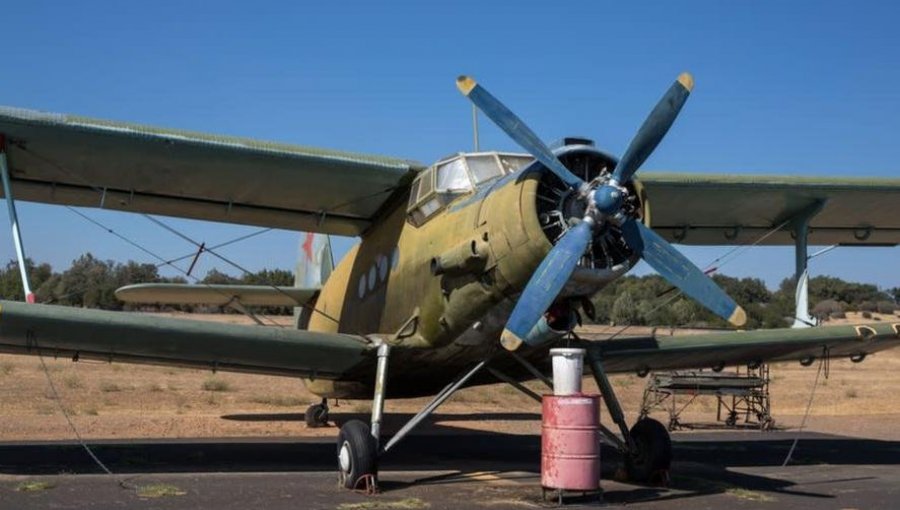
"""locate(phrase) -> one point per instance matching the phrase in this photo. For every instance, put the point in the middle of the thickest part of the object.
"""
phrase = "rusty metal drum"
(570, 442)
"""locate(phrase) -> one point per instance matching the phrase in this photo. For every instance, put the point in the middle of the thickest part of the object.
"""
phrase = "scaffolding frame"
(742, 396)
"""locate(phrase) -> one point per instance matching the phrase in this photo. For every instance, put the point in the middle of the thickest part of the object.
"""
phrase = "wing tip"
(465, 84)
(738, 317)
(686, 80)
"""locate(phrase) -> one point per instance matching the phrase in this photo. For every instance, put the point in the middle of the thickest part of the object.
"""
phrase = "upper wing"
(743, 347)
(65, 159)
(139, 338)
(739, 209)
(220, 295)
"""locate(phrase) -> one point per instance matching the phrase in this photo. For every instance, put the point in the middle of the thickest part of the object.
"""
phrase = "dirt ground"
(107, 401)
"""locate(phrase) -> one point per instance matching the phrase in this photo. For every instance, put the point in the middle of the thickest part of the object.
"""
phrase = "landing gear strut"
(359, 446)
(647, 447)
(358, 443)
(317, 415)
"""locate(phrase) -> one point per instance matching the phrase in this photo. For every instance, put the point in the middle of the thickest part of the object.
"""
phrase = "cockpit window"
(427, 184)
(436, 187)
(446, 180)
(483, 167)
(452, 177)
(513, 162)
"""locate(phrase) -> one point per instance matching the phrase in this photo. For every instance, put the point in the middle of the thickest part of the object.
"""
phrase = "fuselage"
(438, 274)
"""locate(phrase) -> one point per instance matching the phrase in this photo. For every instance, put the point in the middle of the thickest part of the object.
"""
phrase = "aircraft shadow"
(701, 467)
(391, 419)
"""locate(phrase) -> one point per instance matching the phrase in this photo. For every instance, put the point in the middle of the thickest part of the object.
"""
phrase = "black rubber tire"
(316, 416)
(654, 451)
(356, 438)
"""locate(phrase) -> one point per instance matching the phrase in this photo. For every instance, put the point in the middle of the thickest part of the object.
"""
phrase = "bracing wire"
(210, 250)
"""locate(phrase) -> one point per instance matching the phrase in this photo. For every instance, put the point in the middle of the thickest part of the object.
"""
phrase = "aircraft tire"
(653, 457)
(316, 416)
(357, 454)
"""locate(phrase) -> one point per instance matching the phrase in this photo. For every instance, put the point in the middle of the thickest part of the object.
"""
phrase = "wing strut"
(14, 221)
(800, 224)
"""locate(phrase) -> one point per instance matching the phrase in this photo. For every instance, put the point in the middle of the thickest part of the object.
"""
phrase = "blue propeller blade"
(654, 128)
(545, 284)
(681, 272)
(515, 128)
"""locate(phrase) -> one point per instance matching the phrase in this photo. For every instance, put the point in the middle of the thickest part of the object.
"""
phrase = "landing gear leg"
(647, 447)
(317, 414)
(357, 445)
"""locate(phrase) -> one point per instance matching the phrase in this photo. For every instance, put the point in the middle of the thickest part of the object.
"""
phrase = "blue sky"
(798, 88)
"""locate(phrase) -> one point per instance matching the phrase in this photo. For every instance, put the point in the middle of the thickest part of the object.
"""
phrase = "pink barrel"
(570, 442)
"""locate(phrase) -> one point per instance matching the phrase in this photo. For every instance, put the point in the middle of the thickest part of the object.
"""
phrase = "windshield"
(452, 177)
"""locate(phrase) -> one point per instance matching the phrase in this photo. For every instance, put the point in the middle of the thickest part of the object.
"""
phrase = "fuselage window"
(362, 285)
(395, 258)
(372, 275)
(382, 267)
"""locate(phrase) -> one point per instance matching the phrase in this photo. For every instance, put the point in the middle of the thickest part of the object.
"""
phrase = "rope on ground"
(122, 482)
(823, 368)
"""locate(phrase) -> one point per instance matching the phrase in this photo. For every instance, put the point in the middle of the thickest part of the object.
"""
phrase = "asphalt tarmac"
(450, 470)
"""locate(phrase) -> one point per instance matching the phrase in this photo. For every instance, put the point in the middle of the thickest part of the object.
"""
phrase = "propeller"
(604, 203)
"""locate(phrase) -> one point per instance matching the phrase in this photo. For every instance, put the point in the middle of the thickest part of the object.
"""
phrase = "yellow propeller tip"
(465, 84)
(686, 81)
(738, 317)
(510, 340)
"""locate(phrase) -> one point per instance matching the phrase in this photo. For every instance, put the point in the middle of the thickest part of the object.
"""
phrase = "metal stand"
(737, 394)
(14, 221)
(439, 399)
(754, 404)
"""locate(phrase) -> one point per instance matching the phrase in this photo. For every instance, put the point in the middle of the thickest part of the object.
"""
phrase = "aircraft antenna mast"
(475, 126)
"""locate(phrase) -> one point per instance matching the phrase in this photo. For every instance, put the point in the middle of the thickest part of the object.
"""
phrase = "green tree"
(684, 312)
(89, 282)
(216, 277)
(11, 280)
(625, 310)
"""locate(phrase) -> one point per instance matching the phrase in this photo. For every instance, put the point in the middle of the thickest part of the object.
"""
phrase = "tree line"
(636, 300)
(91, 283)
(650, 300)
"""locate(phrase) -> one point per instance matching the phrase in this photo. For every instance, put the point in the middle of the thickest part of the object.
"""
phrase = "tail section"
(314, 266)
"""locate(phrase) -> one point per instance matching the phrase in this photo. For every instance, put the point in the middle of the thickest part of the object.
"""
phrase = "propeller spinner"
(603, 203)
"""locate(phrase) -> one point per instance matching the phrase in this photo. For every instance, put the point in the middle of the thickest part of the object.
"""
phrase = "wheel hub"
(344, 458)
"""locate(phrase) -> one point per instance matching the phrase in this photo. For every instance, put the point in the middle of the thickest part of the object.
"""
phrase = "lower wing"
(140, 338)
(744, 347)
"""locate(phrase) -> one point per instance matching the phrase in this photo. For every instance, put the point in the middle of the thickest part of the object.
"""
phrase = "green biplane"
(468, 270)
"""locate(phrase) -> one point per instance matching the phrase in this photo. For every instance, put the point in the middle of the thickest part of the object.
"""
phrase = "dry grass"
(73, 382)
(216, 384)
(7, 367)
(33, 486)
(109, 387)
(278, 401)
(159, 490)
(381, 504)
